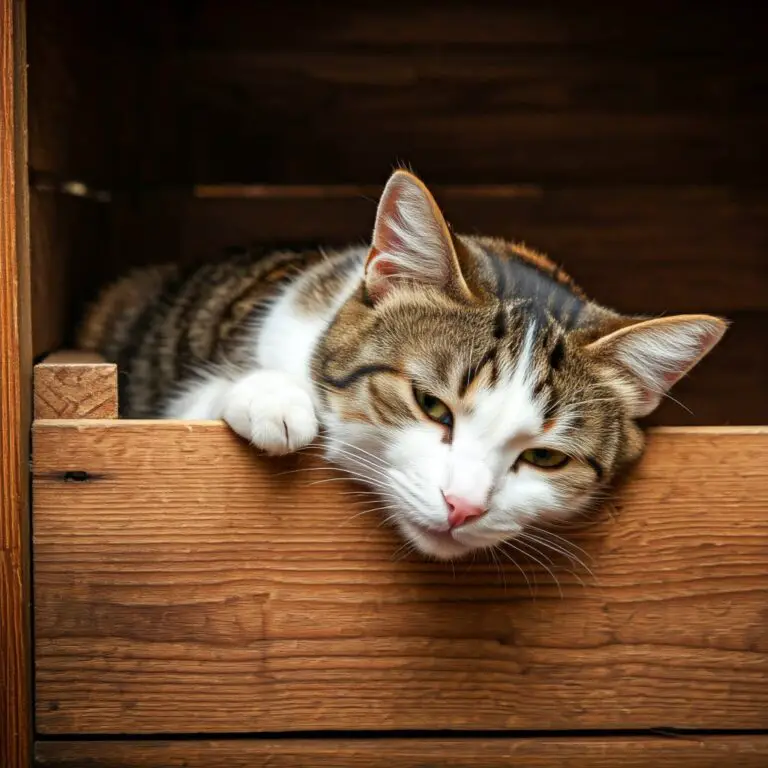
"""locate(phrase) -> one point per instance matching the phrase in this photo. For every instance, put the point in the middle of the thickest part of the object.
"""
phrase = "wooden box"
(171, 598)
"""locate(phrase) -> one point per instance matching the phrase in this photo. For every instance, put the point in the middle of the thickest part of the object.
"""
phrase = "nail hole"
(76, 476)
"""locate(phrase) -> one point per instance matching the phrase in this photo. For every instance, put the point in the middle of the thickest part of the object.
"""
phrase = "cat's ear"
(658, 353)
(411, 241)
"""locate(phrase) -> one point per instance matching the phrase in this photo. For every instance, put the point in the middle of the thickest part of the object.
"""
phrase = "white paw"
(271, 410)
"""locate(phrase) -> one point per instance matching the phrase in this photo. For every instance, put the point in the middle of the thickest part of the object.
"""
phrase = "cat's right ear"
(411, 242)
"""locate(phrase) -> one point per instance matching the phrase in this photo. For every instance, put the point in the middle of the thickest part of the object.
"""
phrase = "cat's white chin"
(439, 544)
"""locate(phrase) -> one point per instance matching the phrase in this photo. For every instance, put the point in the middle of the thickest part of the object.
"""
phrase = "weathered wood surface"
(15, 411)
(185, 584)
(75, 385)
(545, 752)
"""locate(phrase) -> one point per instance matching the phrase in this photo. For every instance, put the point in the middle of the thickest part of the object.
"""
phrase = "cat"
(466, 378)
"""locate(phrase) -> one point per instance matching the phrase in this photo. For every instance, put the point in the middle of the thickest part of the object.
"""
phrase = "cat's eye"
(433, 407)
(544, 458)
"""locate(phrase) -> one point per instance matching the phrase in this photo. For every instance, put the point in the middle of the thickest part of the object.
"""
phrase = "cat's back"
(159, 323)
(512, 270)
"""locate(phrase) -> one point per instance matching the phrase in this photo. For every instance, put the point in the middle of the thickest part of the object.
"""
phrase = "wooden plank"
(365, 82)
(685, 27)
(185, 584)
(470, 146)
(673, 242)
(75, 385)
(545, 752)
(15, 410)
(531, 93)
(568, 116)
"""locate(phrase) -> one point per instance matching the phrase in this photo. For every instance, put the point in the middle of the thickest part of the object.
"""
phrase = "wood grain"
(185, 584)
(75, 385)
(69, 246)
(606, 92)
(526, 25)
(653, 752)
(15, 411)
(447, 124)
(531, 92)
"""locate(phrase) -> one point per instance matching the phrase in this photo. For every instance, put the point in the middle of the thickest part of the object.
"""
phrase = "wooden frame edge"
(15, 394)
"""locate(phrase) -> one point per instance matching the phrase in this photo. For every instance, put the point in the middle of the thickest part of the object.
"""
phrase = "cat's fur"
(281, 345)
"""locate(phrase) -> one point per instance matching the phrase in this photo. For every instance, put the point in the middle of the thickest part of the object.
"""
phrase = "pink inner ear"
(378, 269)
(384, 267)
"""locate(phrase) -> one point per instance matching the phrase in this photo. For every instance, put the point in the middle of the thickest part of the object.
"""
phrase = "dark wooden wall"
(629, 141)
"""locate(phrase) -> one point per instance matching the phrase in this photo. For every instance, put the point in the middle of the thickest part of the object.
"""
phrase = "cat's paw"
(271, 410)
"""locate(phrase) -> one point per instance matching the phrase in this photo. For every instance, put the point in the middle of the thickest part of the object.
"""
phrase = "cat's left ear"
(411, 242)
(657, 354)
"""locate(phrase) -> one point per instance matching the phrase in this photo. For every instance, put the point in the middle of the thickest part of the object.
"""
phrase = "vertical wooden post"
(15, 388)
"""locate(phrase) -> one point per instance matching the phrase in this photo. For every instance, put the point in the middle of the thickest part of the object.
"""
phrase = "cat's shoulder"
(516, 256)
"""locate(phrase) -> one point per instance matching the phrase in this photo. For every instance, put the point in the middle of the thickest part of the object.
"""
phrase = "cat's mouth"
(440, 544)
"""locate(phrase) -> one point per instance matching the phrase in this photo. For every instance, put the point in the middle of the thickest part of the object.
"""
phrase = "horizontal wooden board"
(371, 82)
(605, 92)
(218, 139)
(602, 752)
(189, 585)
(683, 26)
(460, 115)
(641, 249)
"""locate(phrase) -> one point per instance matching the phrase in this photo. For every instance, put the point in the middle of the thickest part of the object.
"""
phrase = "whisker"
(517, 565)
(543, 565)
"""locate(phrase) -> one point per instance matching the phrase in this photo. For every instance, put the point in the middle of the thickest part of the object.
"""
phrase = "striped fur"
(515, 352)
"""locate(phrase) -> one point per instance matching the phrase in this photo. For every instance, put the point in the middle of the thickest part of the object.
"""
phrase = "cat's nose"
(461, 511)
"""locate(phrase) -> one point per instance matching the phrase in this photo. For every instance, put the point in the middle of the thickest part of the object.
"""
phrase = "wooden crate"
(186, 616)
(184, 584)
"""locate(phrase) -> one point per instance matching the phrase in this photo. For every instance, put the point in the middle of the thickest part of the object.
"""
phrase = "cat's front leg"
(271, 409)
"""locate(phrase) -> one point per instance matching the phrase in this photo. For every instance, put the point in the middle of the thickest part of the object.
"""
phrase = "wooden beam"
(185, 583)
(15, 385)
(545, 752)
(75, 385)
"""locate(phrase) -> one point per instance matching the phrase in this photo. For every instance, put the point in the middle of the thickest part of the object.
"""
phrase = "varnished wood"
(15, 381)
(75, 385)
(72, 137)
(185, 584)
(602, 752)
(605, 93)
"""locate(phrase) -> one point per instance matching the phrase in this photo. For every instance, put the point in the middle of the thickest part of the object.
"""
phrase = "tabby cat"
(468, 379)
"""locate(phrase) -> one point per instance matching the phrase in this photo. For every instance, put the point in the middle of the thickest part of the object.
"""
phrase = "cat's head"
(477, 389)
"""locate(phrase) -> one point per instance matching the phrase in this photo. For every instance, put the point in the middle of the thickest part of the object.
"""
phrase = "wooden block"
(183, 583)
(75, 385)
(544, 752)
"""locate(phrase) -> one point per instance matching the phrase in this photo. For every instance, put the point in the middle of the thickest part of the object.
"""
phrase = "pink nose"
(461, 511)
